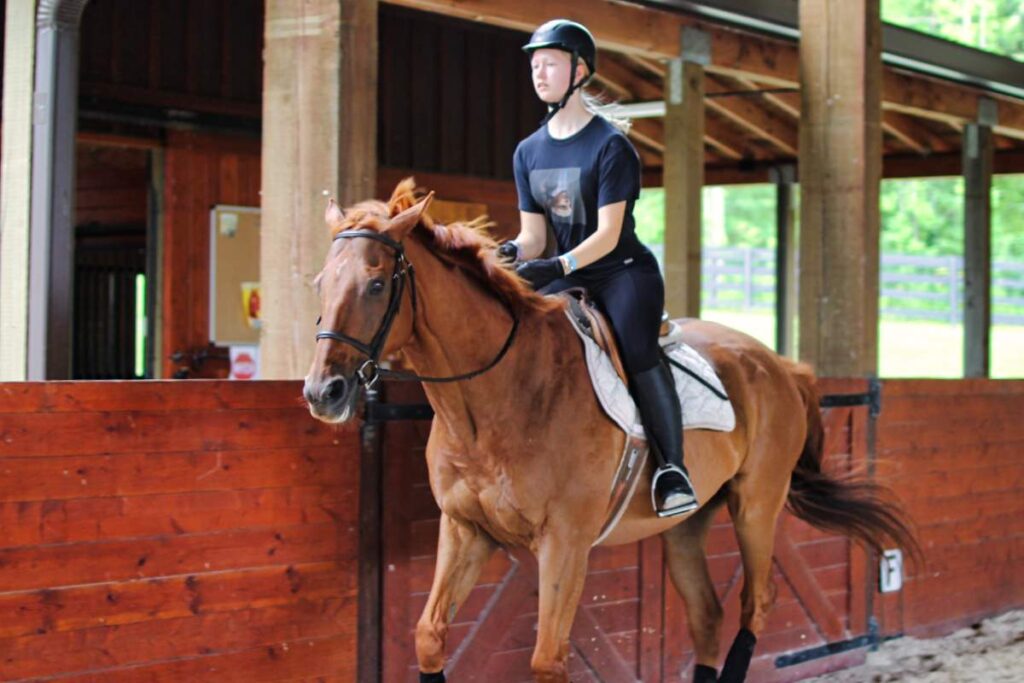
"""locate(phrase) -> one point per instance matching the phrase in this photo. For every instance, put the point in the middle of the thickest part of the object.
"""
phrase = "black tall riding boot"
(655, 395)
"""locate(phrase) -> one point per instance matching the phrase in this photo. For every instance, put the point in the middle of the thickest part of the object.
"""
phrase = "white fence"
(912, 287)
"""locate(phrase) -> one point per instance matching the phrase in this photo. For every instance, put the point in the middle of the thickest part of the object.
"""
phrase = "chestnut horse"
(520, 452)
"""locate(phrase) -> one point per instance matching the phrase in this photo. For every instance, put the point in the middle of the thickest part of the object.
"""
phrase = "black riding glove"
(509, 251)
(541, 272)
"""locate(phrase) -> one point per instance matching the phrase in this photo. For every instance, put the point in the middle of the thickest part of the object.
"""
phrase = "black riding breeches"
(633, 299)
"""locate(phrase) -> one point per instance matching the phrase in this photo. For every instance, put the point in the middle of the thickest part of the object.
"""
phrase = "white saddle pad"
(702, 408)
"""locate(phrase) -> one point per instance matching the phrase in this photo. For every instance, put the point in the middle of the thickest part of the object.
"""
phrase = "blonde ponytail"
(599, 106)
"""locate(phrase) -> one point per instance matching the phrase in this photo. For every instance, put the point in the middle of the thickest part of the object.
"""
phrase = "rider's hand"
(509, 251)
(541, 272)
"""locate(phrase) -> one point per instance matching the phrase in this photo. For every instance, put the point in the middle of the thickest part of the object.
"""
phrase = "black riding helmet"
(571, 37)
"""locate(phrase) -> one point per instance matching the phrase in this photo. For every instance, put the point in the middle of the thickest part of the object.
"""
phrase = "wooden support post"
(684, 173)
(977, 320)
(785, 260)
(319, 141)
(16, 189)
(840, 170)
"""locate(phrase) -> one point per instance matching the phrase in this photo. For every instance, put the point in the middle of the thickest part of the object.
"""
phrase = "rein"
(370, 372)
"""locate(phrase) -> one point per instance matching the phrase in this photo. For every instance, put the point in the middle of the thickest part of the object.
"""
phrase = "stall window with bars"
(109, 333)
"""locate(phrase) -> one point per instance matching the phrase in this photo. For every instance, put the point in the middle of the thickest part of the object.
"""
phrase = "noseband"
(370, 372)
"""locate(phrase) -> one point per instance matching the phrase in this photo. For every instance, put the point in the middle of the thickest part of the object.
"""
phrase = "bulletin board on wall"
(234, 275)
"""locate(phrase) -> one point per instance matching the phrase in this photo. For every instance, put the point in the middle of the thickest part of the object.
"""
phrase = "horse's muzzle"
(332, 399)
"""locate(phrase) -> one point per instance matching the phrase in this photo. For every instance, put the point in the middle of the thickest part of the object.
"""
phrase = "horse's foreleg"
(754, 504)
(685, 547)
(462, 551)
(562, 565)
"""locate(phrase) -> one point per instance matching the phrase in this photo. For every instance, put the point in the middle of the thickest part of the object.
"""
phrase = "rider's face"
(550, 71)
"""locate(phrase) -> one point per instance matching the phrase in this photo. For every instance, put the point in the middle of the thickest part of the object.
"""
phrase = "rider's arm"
(604, 239)
(533, 235)
(618, 184)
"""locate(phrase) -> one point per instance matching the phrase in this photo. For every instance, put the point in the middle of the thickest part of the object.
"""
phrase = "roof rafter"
(726, 141)
(654, 34)
(744, 113)
(912, 134)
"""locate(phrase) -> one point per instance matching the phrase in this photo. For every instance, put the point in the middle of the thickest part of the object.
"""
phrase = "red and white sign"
(245, 362)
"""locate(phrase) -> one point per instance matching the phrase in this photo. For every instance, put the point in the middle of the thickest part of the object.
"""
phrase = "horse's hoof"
(432, 678)
(738, 660)
(705, 674)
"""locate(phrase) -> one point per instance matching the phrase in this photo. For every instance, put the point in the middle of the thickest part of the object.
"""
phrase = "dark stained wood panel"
(147, 557)
(454, 96)
(200, 172)
(109, 177)
(199, 55)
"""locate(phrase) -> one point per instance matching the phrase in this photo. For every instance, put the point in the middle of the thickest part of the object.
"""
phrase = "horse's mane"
(465, 244)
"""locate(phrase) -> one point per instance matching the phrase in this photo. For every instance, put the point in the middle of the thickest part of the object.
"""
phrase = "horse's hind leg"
(754, 504)
(685, 546)
(462, 551)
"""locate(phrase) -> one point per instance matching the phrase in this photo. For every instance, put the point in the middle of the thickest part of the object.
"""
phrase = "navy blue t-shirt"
(568, 180)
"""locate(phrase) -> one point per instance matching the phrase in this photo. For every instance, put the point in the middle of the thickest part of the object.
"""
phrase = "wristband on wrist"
(519, 251)
(568, 263)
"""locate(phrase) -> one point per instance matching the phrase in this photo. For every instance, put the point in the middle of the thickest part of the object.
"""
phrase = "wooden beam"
(747, 115)
(650, 133)
(631, 29)
(903, 132)
(652, 35)
(684, 183)
(637, 87)
(950, 164)
(840, 171)
(717, 135)
(729, 142)
(957, 105)
(16, 189)
(786, 103)
(318, 141)
(616, 90)
(785, 260)
(650, 66)
(978, 156)
(912, 134)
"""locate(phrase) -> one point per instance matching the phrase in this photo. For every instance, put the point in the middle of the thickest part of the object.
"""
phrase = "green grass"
(908, 349)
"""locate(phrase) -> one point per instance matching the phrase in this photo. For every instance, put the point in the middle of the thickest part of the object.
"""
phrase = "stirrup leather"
(678, 509)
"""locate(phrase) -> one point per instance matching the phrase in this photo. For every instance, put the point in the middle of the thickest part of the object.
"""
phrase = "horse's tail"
(850, 505)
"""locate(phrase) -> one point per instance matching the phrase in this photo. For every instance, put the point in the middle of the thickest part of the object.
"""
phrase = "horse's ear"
(400, 225)
(333, 216)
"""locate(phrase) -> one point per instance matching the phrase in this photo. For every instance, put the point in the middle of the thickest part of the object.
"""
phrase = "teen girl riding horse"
(521, 453)
(579, 174)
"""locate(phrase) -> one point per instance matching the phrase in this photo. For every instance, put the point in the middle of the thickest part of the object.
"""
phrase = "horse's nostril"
(335, 390)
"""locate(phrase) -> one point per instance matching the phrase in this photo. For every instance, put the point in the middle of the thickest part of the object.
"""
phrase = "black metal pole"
(368, 647)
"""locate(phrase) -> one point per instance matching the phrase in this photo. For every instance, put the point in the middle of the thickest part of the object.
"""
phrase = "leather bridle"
(370, 372)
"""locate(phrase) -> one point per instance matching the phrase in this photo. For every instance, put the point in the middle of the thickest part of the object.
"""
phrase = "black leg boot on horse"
(655, 394)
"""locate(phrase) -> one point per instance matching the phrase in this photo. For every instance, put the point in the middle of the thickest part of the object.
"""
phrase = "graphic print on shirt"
(557, 190)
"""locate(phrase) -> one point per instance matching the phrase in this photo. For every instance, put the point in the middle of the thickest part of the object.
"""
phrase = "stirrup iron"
(675, 508)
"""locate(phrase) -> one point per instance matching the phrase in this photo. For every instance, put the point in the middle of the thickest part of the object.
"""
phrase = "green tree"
(992, 25)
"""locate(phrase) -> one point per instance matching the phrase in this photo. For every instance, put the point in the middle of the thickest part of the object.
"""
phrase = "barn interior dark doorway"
(111, 329)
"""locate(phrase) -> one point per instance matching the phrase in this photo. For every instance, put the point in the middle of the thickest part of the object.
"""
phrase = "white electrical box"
(890, 571)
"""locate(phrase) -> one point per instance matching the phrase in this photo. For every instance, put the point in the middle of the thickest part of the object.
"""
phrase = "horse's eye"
(376, 286)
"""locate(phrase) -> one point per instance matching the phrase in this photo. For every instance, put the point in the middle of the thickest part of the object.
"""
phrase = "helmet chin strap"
(573, 86)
